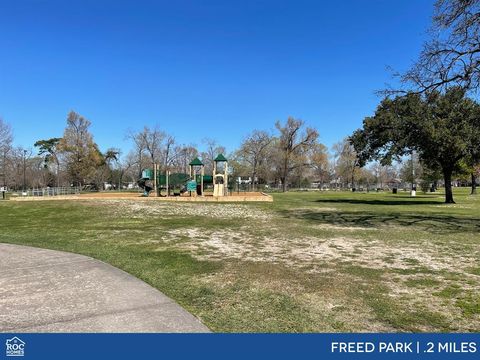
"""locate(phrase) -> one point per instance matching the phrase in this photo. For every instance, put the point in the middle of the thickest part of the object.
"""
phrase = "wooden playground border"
(234, 197)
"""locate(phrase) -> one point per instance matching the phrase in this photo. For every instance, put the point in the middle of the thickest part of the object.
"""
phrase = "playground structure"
(191, 185)
(194, 186)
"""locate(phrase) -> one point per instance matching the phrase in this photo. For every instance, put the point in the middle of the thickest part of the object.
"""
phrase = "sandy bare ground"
(320, 253)
(233, 197)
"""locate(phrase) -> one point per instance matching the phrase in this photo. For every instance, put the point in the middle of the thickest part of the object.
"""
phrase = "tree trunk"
(120, 178)
(58, 172)
(447, 176)
(139, 164)
(4, 168)
(353, 178)
(474, 184)
(285, 173)
(254, 175)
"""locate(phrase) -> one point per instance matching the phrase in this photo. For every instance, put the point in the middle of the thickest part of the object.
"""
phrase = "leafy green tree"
(112, 155)
(82, 154)
(473, 159)
(437, 126)
(50, 150)
(431, 176)
(475, 175)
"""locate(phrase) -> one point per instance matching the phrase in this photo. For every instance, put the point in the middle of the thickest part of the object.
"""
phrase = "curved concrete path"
(53, 291)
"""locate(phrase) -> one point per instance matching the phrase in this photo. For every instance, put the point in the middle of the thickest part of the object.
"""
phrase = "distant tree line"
(288, 157)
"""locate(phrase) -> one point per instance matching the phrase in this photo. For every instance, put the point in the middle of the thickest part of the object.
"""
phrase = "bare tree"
(152, 140)
(129, 167)
(212, 150)
(139, 150)
(379, 173)
(452, 56)
(184, 154)
(253, 151)
(319, 162)
(294, 144)
(19, 174)
(169, 152)
(347, 162)
(6, 139)
(6, 136)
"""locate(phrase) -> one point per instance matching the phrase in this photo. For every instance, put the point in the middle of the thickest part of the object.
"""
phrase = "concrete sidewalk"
(53, 291)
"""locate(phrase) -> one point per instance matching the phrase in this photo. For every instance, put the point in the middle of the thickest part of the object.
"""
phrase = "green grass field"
(309, 262)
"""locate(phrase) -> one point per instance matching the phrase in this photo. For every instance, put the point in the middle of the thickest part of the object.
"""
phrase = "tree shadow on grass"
(396, 201)
(432, 223)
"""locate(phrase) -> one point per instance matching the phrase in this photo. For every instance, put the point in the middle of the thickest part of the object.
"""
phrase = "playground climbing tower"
(195, 166)
(220, 180)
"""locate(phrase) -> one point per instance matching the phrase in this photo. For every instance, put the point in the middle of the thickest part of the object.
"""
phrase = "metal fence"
(48, 191)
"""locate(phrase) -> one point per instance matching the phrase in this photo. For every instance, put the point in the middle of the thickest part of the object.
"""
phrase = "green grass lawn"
(309, 262)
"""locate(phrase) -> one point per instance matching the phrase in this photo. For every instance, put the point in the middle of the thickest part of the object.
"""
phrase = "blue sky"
(199, 69)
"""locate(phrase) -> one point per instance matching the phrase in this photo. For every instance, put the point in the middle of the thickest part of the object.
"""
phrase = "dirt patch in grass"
(161, 210)
(303, 251)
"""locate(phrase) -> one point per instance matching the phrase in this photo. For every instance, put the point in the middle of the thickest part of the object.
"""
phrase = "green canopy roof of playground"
(220, 157)
(196, 162)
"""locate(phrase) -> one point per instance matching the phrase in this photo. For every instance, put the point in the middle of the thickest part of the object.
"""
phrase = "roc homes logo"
(15, 347)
